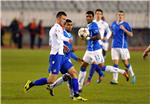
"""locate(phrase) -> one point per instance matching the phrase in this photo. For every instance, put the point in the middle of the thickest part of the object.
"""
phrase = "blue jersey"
(70, 53)
(120, 38)
(68, 35)
(93, 45)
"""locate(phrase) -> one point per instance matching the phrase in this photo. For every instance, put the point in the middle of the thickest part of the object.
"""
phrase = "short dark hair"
(99, 10)
(90, 12)
(59, 14)
(68, 20)
(121, 11)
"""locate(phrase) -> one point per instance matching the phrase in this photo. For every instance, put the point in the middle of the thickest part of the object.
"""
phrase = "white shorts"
(93, 57)
(105, 46)
(117, 53)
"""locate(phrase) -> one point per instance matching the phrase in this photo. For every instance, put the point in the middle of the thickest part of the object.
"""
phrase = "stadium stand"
(76, 9)
(138, 14)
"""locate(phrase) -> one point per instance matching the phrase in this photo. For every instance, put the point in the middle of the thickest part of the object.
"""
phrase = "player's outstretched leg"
(115, 70)
(115, 76)
(81, 78)
(58, 82)
(75, 87)
(100, 73)
(91, 73)
(30, 84)
(130, 70)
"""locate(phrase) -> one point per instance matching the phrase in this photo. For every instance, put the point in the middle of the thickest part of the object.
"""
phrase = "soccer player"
(69, 54)
(105, 33)
(146, 51)
(121, 30)
(93, 53)
(57, 60)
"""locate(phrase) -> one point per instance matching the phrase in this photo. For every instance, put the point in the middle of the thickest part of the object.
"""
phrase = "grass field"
(20, 65)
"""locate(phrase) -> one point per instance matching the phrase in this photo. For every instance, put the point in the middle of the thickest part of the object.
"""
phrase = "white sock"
(114, 70)
(81, 79)
(71, 90)
(115, 76)
(58, 82)
(131, 71)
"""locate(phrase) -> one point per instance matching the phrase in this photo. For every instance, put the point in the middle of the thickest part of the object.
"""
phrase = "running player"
(93, 53)
(69, 54)
(121, 30)
(57, 60)
(105, 33)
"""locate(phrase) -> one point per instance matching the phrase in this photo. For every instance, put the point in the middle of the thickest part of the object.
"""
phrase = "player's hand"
(66, 49)
(145, 55)
(122, 27)
(70, 40)
(80, 60)
(88, 38)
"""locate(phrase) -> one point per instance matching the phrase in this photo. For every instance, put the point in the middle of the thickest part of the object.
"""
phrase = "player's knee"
(50, 81)
(73, 73)
(66, 77)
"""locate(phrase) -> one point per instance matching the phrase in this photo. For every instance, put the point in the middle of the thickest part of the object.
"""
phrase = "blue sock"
(103, 68)
(128, 66)
(40, 82)
(83, 69)
(75, 86)
(115, 65)
(99, 71)
(92, 70)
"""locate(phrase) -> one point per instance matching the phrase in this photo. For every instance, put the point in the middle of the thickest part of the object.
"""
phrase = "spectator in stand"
(14, 30)
(33, 31)
(2, 33)
(41, 33)
(20, 34)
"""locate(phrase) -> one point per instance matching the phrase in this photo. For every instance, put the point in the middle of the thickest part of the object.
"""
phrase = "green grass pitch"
(20, 65)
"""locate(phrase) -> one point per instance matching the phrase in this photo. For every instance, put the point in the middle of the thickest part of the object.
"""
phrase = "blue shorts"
(59, 63)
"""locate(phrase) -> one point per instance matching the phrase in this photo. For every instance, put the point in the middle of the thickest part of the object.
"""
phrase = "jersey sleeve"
(95, 29)
(128, 27)
(108, 31)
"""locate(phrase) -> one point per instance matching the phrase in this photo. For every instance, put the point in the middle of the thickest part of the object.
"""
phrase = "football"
(83, 32)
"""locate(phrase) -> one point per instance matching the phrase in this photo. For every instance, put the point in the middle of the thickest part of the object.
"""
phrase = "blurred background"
(27, 23)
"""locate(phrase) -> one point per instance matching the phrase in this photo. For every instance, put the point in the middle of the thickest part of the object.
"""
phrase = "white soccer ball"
(83, 33)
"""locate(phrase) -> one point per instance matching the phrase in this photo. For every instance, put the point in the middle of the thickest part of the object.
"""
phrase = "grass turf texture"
(20, 65)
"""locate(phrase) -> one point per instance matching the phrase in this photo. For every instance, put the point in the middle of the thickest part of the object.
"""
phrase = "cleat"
(113, 82)
(79, 98)
(99, 80)
(126, 75)
(27, 86)
(51, 92)
(133, 79)
(87, 82)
